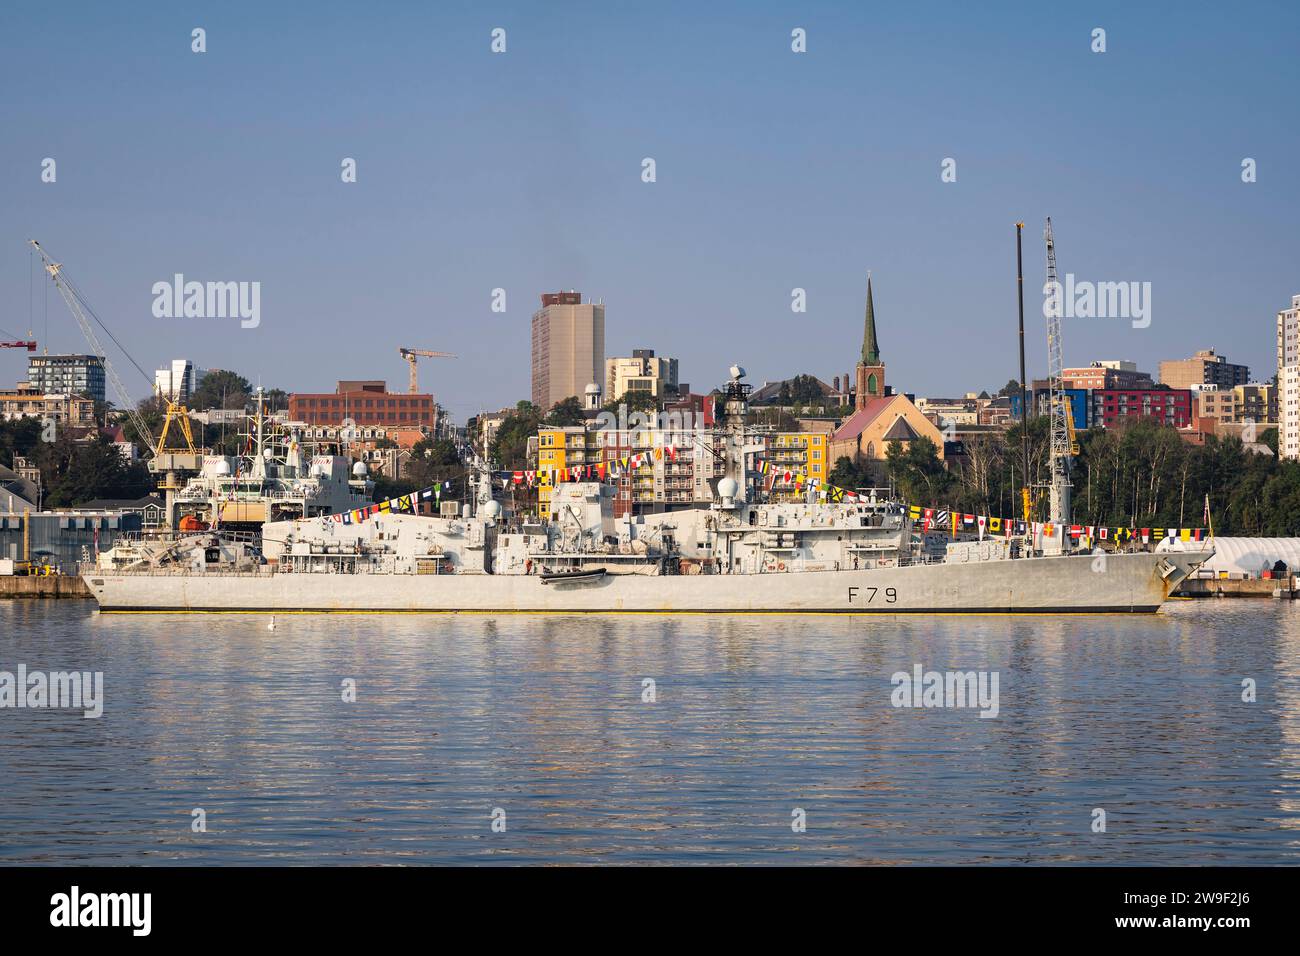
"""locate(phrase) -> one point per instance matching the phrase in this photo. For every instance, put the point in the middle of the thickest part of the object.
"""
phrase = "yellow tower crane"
(410, 356)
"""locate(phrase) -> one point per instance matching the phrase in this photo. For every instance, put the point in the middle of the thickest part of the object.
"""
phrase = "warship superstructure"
(738, 553)
(274, 479)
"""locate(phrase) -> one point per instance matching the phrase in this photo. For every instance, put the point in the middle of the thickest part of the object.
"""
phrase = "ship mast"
(734, 410)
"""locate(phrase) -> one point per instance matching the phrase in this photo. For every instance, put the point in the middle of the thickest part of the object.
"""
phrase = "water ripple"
(754, 717)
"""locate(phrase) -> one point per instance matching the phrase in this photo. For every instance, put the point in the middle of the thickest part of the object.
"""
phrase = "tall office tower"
(568, 347)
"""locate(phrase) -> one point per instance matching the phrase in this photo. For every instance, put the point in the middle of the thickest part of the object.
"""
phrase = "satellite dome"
(222, 468)
(737, 371)
(492, 509)
(359, 470)
(728, 487)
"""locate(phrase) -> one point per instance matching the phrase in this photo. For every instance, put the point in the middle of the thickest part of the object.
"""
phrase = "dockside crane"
(164, 458)
(411, 354)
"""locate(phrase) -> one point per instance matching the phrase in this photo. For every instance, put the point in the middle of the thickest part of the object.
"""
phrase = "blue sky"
(775, 170)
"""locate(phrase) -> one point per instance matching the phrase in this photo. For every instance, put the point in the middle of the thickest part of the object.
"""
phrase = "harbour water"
(544, 721)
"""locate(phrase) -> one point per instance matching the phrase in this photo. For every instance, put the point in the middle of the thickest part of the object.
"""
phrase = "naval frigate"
(737, 554)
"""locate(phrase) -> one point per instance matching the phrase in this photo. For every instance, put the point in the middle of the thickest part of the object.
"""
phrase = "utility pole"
(1024, 401)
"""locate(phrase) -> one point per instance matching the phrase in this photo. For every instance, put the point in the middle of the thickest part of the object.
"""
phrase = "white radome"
(359, 470)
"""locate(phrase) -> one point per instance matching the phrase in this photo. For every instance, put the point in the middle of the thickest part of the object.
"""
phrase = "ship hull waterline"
(1117, 583)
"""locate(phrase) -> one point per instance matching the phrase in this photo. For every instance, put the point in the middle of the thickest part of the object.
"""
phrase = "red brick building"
(366, 403)
(1172, 406)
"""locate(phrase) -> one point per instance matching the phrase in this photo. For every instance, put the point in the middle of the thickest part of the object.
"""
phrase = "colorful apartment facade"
(677, 467)
(1169, 406)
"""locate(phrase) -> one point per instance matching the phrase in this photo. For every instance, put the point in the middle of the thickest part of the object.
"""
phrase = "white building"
(1288, 380)
(177, 381)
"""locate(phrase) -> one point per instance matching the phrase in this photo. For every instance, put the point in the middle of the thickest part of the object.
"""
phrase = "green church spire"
(870, 347)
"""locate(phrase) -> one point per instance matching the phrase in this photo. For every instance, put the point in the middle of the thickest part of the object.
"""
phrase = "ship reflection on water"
(631, 739)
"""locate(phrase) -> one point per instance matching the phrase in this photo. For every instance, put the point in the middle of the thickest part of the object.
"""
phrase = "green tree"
(566, 412)
(221, 389)
(74, 472)
(20, 437)
(846, 474)
(635, 402)
(918, 471)
(510, 446)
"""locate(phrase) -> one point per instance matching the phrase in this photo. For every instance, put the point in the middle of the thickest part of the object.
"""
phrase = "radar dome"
(727, 488)
(222, 468)
(492, 509)
(737, 371)
(359, 470)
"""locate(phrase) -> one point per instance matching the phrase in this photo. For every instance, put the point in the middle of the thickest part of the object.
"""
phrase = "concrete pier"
(39, 586)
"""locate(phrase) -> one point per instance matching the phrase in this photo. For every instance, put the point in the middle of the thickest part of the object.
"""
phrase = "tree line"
(1141, 474)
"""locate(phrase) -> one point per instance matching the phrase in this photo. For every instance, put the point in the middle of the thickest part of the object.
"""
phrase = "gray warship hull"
(1085, 583)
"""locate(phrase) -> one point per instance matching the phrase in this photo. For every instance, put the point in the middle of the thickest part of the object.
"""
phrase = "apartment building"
(681, 477)
(568, 348)
(642, 371)
(1288, 380)
(81, 375)
(1255, 402)
(364, 402)
(1108, 373)
(1111, 406)
(63, 409)
(1204, 368)
(177, 381)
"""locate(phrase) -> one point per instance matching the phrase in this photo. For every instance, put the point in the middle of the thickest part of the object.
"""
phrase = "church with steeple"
(870, 377)
(878, 418)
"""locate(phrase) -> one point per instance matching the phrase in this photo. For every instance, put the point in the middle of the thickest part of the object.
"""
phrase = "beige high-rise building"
(568, 347)
(1203, 368)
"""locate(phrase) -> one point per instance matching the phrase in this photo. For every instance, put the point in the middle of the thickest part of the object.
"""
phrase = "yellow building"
(800, 453)
(562, 448)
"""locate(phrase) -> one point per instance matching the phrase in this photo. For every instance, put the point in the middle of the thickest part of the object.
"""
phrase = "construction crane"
(410, 356)
(18, 342)
(1062, 430)
(80, 311)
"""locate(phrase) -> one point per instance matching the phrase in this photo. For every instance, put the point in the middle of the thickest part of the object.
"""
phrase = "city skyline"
(775, 171)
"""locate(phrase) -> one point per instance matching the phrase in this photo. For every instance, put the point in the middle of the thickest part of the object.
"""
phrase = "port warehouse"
(57, 538)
